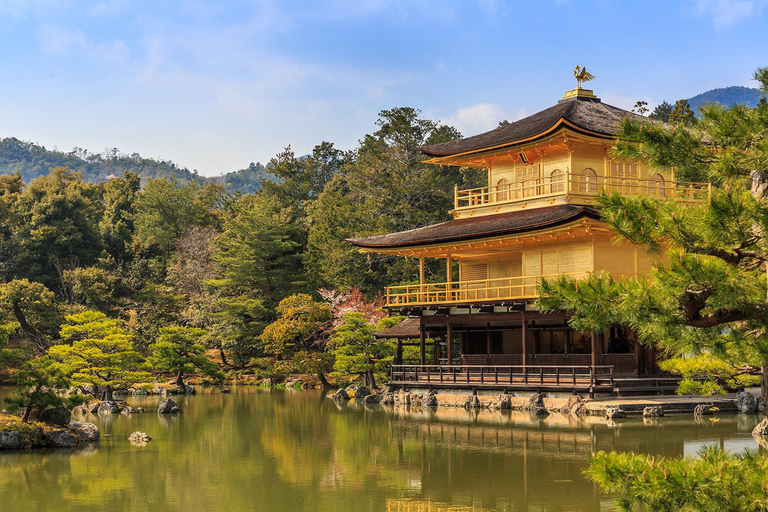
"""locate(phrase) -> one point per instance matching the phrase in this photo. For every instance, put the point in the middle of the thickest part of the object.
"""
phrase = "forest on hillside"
(32, 161)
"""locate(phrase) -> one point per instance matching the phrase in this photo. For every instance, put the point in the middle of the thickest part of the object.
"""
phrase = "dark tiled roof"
(407, 329)
(592, 116)
(480, 227)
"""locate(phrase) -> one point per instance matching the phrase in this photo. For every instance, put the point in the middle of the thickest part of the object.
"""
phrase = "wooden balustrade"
(583, 376)
(504, 288)
(578, 185)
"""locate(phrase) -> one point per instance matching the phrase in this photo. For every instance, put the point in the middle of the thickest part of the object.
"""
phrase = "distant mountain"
(32, 160)
(726, 96)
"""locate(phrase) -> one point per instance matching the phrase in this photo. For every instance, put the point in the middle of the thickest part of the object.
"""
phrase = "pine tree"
(179, 350)
(358, 352)
(681, 114)
(99, 353)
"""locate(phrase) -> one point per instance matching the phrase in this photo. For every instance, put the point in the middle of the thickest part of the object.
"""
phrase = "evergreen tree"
(681, 114)
(662, 112)
(99, 353)
(358, 352)
(39, 384)
(257, 252)
(179, 350)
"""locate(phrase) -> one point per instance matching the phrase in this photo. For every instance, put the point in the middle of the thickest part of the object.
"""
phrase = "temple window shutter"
(474, 271)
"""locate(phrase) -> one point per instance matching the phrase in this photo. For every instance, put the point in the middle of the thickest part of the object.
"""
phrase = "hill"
(32, 160)
(726, 96)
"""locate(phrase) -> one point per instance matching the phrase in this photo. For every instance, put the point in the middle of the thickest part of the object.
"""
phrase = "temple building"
(536, 218)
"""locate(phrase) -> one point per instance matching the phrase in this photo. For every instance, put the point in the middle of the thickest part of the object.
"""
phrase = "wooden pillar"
(436, 351)
(594, 349)
(399, 352)
(422, 348)
(525, 341)
(421, 279)
(488, 343)
(449, 277)
(638, 358)
(449, 339)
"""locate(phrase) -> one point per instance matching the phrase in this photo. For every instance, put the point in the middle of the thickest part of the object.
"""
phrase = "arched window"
(656, 185)
(502, 190)
(556, 181)
(588, 181)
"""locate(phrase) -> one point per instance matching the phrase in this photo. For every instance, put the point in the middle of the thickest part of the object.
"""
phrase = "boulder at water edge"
(60, 439)
(362, 392)
(167, 406)
(340, 395)
(57, 416)
(85, 432)
(10, 440)
(472, 402)
(502, 402)
(612, 413)
(655, 411)
(109, 407)
(746, 403)
(429, 399)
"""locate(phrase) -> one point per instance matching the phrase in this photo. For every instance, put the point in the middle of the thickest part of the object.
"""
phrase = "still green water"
(298, 451)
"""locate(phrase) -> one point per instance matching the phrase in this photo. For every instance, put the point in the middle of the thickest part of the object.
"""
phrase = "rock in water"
(108, 408)
(575, 405)
(536, 402)
(372, 399)
(10, 440)
(746, 403)
(655, 411)
(429, 399)
(402, 397)
(225, 391)
(166, 406)
(502, 402)
(85, 432)
(362, 392)
(761, 429)
(58, 416)
(139, 438)
(613, 413)
(387, 397)
(341, 395)
(128, 410)
(60, 439)
(702, 409)
(472, 402)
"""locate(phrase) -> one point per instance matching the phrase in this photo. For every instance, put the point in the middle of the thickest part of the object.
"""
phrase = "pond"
(298, 451)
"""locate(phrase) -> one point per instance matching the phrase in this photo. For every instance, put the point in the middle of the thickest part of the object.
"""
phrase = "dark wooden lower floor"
(558, 378)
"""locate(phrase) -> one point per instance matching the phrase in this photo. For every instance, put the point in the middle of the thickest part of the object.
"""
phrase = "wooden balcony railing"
(483, 290)
(473, 375)
(579, 185)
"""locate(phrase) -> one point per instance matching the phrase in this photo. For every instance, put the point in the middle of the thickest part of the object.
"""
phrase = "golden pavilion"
(536, 218)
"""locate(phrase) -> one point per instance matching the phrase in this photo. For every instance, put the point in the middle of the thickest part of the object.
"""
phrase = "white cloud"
(725, 13)
(476, 119)
(63, 41)
(58, 40)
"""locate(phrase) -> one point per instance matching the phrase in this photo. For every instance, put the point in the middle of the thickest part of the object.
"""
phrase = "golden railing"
(481, 290)
(579, 185)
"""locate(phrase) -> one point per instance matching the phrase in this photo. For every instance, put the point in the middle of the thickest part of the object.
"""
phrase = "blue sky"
(214, 85)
